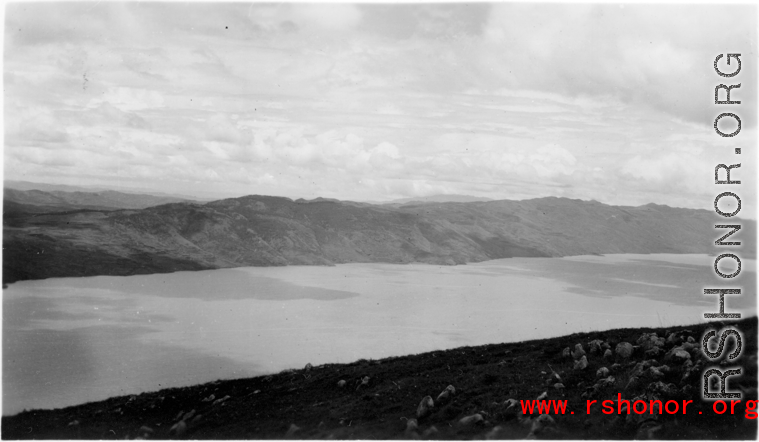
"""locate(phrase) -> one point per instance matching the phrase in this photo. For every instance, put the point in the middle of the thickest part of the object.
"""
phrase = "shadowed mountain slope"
(269, 231)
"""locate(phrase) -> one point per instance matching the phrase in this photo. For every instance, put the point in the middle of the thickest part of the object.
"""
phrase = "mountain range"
(93, 239)
(58, 200)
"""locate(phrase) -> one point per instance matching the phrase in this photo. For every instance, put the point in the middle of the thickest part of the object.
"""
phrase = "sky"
(372, 102)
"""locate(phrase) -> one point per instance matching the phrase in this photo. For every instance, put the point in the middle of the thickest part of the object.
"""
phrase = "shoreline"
(485, 377)
(410, 263)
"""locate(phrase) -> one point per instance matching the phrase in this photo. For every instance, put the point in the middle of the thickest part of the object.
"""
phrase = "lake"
(73, 340)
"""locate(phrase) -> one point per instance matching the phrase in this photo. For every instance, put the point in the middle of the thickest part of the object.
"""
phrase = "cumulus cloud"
(129, 99)
(656, 56)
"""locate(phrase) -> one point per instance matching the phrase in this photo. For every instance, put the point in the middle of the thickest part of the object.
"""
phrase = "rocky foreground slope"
(464, 393)
(270, 231)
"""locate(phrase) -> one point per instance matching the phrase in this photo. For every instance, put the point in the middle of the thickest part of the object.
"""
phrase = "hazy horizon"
(95, 188)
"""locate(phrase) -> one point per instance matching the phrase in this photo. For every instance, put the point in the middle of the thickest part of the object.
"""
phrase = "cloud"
(650, 55)
(375, 101)
(129, 99)
(333, 16)
(553, 160)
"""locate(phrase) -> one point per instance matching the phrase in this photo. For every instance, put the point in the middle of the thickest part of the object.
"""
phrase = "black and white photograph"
(390, 220)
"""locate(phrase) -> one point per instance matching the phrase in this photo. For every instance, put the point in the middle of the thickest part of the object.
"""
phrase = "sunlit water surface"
(72, 340)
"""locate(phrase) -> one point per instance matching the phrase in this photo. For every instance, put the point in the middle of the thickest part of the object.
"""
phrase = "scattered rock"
(648, 341)
(602, 373)
(196, 419)
(341, 383)
(429, 433)
(189, 415)
(525, 421)
(179, 429)
(655, 374)
(558, 386)
(633, 383)
(219, 401)
(640, 368)
(677, 355)
(291, 431)
(605, 382)
(73, 423)
(673, 339)
(209, 398)
(144, 432)
(511, 408)
(495, 433)
(582, 363)
(608, 355)
(624, 350)
(595, 346)
(471, 420)
(578, 352)
(661, 389)
(691, 340)
(411, 425)
(308, 367)
(446, 395)
(443, 397)
(543, 396)
(541, 424)
(553, 377)
(425, 407)
(566, 353)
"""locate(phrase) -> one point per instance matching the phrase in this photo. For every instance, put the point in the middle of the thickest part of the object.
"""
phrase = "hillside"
(379, 399)
(271, 231)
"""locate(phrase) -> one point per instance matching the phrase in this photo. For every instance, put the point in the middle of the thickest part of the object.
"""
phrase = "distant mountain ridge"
(442, 198)
(45, 187)
(271, 231)
(65, 200)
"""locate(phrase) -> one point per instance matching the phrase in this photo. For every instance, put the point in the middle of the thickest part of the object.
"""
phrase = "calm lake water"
(73, 340)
